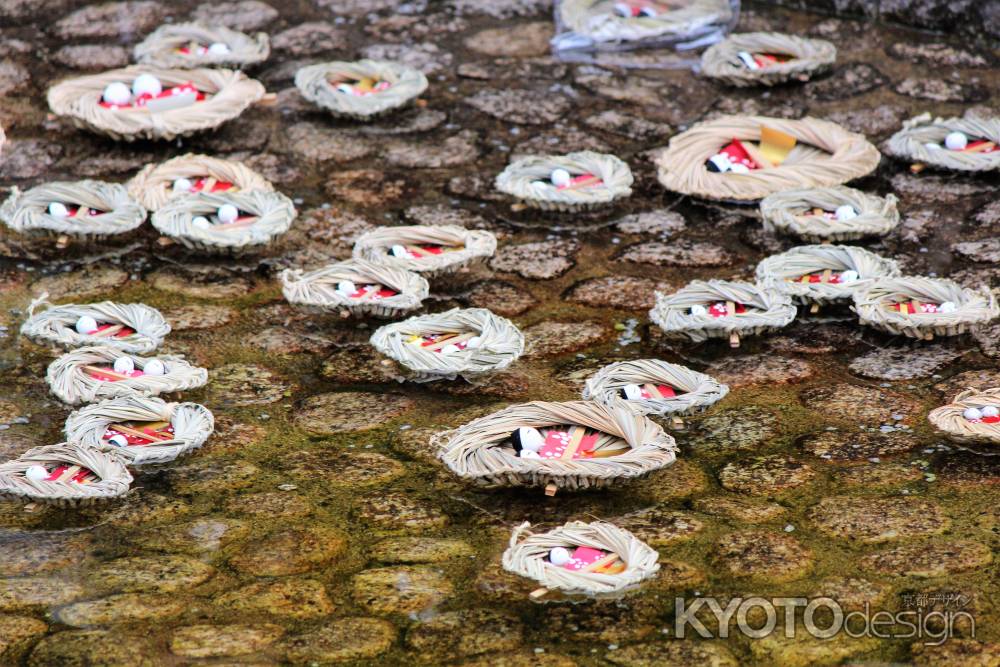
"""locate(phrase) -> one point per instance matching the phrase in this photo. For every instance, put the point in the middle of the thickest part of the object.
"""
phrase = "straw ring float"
(972, 417)
(719, 160)
(142, 102)
(958, 144)
(156, 184)
(130, 327)
(566, 182)
(467, 343)
(187, 45)
(431, 250)
(224, 223)
(90, 373)
(356, 287)
(141, 429)
(829, 214)
(817, 275)
(65, 474)
(362, 90)
(766, 59)
(654, 387)
(578, 558)
(722, 309)
(574, 445)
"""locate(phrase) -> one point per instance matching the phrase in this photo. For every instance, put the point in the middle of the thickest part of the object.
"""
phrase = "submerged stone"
(344, 640)
(405, 589)
(930, 560)
(328, 414)
(875, 520)
(17, 633)
(904, 363)
(398, 512)
(760, 369)
(622, 292)
(108, 648)
(543, 260)
(673, 652)
(659, 526)
(124, 608)
(766, 475)
(763, 555)
(220, 641)
(551, 338)
(286, 598)
(162, 574)
(407, 550)
(290, 551)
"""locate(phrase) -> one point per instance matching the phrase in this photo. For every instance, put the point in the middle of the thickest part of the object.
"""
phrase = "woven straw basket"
(972, 306)
(229, 93)
(695, 391)
(274, 213)
(809, 57)
(910, 142)
(951, 418)
(154, 184)
(528, 553)
(319, 288)
(481, 451)
(463, 248)
(162, 48)
(56, 325)
(784, 272)
(73, 385)
(790, 211)
(766, 309)
(113, 479)
(192, 424)
(826, 154)
(528, 181)
(27, 212)
(318, 84)
(594, 24)
(500, 344)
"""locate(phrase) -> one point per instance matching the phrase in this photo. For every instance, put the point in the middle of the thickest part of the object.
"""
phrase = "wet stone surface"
(765, 475)
(904, 363)
(622, 292)
(762, 555)
(878, 520)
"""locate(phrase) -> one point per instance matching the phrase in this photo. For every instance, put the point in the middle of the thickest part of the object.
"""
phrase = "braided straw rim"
(973, 306)
(319, 288)
(477, 245)
(527, 179)
(788, 211)
(527, 555)
(595, 20)
(810, 56)
(160, 48)
(57, 325)
(699, 390)
(826, 155)
(73, 386)
(153, 184)
(781, 272)
(114, 477)
(407, 84)
(501, 344)
(274, 212)
(193, 424)
(27, 211)
(909, 142)
(950, 418)
(477, 451)
(79, 99)
(672, 312)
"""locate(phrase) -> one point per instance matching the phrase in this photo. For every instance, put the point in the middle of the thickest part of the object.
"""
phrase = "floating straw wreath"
(65, 474)
(187, 45)
(131, 327)
(971, 417)
(156, 184)
(825, 154)
(589, 180)
(980, 154)
(361, 90)
(912, 306)
(654, 387)
(432, 250)
(628, 446)
(141, 429)
(193, 221)
(466, 342)
(812, 213)
(722, 309)
(228, 93)
(821, 274)
(766, 59)
(87, 211)
(86, 374)
(356, 286)
(611, 559)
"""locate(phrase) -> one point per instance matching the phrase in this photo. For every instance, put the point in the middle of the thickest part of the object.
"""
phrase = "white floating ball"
(623, 10)
(530, 438)
(146, 84)
(849, 276)
(845, 212)
(201, 222)
(956, 141)
(560, 177)
(399, 251)
(218, 49)
(559, 556)
(36, 473)
(932, 146)
(86, 324)
(990, 411)
(228, 213)
(154, 367)
(474, 342)
(117, 93)
(183, 185)
(124, 365)
(118, 440)
(633, 392)
(699, 310)
(346, 287)
(972, 413)
(947, 307)
(345, 88)
(450, 349)
(739, 168)
(721, 162)
(58, 210)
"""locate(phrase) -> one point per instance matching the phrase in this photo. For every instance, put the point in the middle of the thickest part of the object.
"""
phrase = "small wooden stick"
(551, 488)
(110, 331)
(817, 211)
(608, 453)
(209, 183)
(979, 148)
(804, 279)
(814, 308)
(69, 473)
(929, 335)
(582, 183)
(730, 308)
(917, 167)
(62, 241)
(916, 306)
(575, 438)
(602, 563)
(827, 274)
(757, 156)
(415, 250)
(109, 373)
(654, 391)
(678, 422)
(450, 340)
(135, 433)
(538, 593)
(734, 339)
(239, 223)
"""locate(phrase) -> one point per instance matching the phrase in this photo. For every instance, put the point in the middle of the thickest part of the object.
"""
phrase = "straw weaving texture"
(810, 57)
(57, 325)
(27, 212)
(318, 84)
(826, 154)
(909, 142)
(790, 212)
(153, 185)
(162, 47)
(527, 555)
(474, 245)
(696, 391)
(782, 272)
(319, 288)
(950, 418)
(480, 451)
(114, 477)
(973, 306)
(527, 179)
